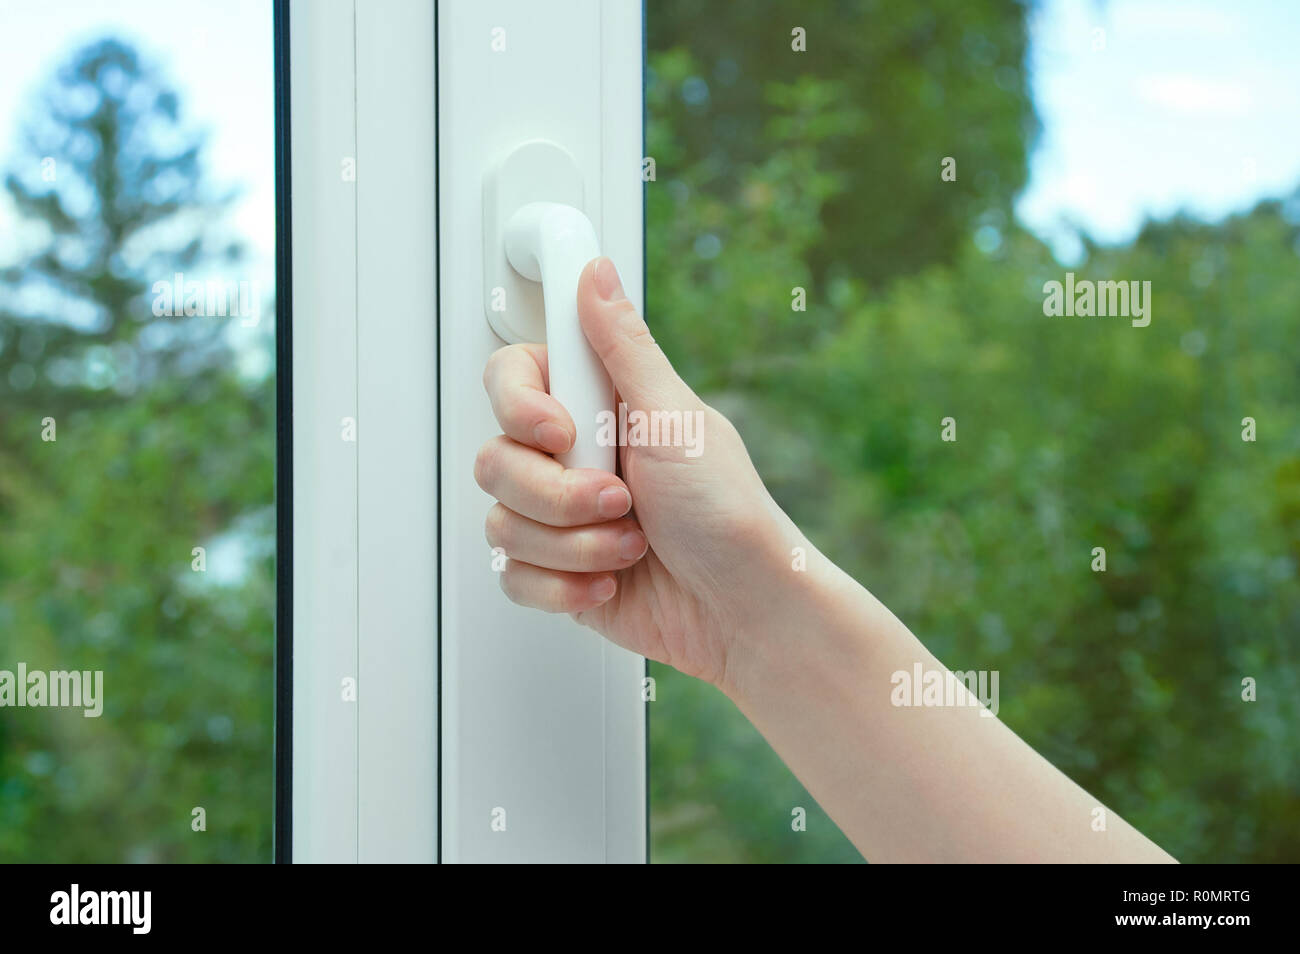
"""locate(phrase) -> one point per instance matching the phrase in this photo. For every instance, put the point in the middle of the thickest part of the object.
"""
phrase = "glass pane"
(856, 210)
(137, 381)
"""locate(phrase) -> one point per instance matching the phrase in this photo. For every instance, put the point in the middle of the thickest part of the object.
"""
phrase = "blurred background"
(1138, 140)
(1130, 139)
(136, 142)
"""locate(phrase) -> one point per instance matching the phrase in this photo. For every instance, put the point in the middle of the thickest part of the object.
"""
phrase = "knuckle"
(497, 526)
(626, 325)
(492, 370)
(566, 500)
(584, 550)
(633, 328)
(487, 464)
(638, 332)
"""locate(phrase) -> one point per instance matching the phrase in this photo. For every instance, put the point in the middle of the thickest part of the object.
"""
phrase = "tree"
(1075, 432)
(886, 90)
(160, 445)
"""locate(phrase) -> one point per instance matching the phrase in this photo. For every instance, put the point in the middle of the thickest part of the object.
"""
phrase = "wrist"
(803, 617)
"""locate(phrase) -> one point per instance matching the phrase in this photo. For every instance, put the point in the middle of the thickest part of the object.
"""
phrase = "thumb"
(621, 339)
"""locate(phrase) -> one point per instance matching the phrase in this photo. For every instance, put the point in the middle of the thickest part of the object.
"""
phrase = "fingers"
(556, 591)
(638, 367)
(567, 532)
(516, 383)
(539, 487)
(608, 546)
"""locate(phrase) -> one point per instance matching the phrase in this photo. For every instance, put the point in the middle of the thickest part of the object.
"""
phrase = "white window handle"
(552, 243)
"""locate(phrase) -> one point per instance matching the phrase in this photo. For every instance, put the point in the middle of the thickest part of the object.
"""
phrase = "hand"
(677, 560)
(689, 562)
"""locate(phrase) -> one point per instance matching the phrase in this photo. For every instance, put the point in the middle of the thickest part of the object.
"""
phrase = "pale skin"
(690, 562)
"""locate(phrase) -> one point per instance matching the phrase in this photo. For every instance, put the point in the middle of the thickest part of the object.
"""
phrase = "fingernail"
(633, 545)
(552, 437)
(602, 589)
(613, 502)
(607, 282)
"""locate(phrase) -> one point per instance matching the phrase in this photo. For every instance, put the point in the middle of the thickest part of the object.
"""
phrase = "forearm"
(906, 783)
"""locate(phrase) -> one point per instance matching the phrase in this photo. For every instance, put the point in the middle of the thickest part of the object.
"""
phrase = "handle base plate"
(534, 171)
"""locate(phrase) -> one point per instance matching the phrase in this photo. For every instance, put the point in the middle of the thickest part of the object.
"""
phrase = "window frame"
(450, 718)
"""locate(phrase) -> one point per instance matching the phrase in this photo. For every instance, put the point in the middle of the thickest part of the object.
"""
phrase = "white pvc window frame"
(467, 708)
(364, 426)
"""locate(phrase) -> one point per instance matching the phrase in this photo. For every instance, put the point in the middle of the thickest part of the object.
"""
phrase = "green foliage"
(775, 170)
(883, 92)
(161, 447)
(1072, 433)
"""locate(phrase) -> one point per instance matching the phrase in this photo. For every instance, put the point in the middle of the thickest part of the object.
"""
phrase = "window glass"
(856, 213)
(137, 431)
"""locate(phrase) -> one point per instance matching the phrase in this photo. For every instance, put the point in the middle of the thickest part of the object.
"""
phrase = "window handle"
(551, 243)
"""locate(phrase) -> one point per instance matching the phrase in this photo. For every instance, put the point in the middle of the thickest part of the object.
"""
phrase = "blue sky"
(1187, 104)
(218, 54)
